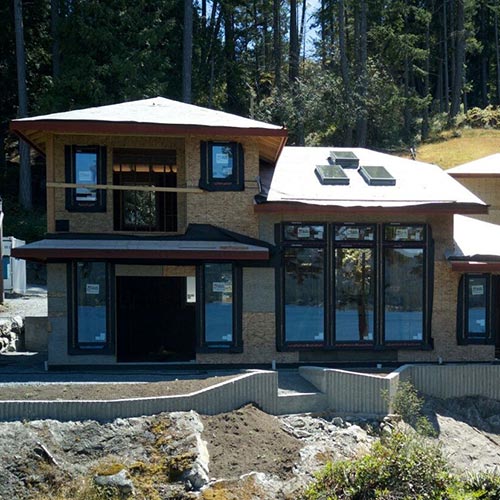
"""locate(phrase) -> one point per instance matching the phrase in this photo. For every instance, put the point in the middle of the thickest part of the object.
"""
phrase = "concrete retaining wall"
(454, 381)
(258, 387)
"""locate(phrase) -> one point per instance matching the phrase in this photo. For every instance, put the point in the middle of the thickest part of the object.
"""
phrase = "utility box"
(14, 270)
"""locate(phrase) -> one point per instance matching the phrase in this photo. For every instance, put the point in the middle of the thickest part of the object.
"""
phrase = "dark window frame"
(463, 335)
(283, 343)
(166, 209)
(236, 344)
(72, 204)
(74, 346)
(207, 180)
(378, 245)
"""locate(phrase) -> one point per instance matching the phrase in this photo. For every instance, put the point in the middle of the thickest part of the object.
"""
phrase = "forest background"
(385, 74)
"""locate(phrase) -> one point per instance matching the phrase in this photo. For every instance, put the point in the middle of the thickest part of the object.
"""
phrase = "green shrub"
(484, 485)
(402, 466)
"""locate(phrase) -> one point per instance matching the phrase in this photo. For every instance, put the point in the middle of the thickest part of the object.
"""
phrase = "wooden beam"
(114, 187)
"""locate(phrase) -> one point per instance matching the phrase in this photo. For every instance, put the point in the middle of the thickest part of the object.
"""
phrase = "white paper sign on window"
(352, 232)
(304, 232)
(85, 176)
(92, 289)
(218, 286)
(477, 290)
(222, 158)
(402, 233)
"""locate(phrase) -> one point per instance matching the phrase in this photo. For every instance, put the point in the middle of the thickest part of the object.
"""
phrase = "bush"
(399, 466)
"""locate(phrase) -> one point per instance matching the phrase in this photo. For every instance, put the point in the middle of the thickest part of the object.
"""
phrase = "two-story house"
(182, 234)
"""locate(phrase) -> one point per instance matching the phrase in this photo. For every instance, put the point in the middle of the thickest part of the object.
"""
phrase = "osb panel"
(231, 210)
(259, 343)
(103, 222)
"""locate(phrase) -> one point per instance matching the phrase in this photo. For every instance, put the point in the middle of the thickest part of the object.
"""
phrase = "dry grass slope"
(469, 145)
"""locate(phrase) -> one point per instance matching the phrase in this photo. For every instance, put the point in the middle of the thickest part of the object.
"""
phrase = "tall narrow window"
(90, 305)
(354, 294)
(144, 209)
(304, 289)
(85, 166)
(218, 313)
(222, 166)
(404, 283)
(474, 323)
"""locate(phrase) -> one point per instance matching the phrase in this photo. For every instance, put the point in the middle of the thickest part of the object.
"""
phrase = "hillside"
(470, 145)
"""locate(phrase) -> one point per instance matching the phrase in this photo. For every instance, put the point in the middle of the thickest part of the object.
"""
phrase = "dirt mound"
(249, 440)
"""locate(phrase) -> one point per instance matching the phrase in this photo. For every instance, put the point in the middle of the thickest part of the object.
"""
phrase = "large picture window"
(346, 285)
(89, 321)
(85, 165)
(142, 209)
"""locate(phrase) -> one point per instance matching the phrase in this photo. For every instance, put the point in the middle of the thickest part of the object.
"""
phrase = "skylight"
(377, 176)
(346, 159)
(331, 175)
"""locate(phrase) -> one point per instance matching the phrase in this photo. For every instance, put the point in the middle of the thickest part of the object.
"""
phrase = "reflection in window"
(304, 232)
(403, 294)
(304, 294)
(86, 173)
(355, 233)
(476, 307)
(354, 294)
(91, 305)
(398, 232)
(218, 303)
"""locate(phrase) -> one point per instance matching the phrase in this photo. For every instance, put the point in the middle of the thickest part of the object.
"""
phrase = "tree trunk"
(446, 93)
(24, 151)
(187, 51)
(302, 35)
(362, 123)
(344, 69)
(458, 81)
(497, 50)
(293, 67)
(425, 117)
(277, 42)
(54, 27)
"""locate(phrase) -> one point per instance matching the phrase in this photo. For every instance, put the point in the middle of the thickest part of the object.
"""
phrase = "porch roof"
(477, 245)
(419, 186)
(488, 166)
(200, 242)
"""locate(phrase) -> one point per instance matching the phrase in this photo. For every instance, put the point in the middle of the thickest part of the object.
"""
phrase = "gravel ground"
(33, 303)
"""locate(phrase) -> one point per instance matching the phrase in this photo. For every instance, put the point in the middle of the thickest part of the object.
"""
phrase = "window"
(85, 165)
(346, 285)
(89, 327)
(143, 209)
(222, 166)
(474, 309)
(220, 311)
(303, 313)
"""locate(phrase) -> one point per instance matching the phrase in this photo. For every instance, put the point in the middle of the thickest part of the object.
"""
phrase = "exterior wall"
(259, 323)
(231, 210)
(488, 189)
(444, 290)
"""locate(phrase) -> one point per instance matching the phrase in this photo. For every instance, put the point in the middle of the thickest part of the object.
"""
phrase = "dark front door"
(155, 319)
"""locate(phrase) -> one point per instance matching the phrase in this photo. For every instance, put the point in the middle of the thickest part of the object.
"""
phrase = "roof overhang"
(399, 208)
(138, 250)
(34, 132)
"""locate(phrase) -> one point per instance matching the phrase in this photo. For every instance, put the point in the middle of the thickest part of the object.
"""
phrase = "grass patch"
(471, 144)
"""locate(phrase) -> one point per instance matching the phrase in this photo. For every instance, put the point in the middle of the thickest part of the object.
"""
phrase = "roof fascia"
(428, 208)
(467, 266)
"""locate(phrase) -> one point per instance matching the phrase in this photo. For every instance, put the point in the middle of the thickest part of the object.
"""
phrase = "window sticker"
(352, 232)
(222, 158)
(219, 286)
(92, 289)
(401, 233)
(304, 232)
(477, 290)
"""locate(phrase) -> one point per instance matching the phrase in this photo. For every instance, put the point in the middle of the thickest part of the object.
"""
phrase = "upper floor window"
(141, 208)
(85, 165)
(222, 166)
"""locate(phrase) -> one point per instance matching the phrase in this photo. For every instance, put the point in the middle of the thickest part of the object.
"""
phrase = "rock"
(338, 422)
(119, 481)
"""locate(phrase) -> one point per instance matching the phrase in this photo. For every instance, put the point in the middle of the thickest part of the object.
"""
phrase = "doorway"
(156, 319)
